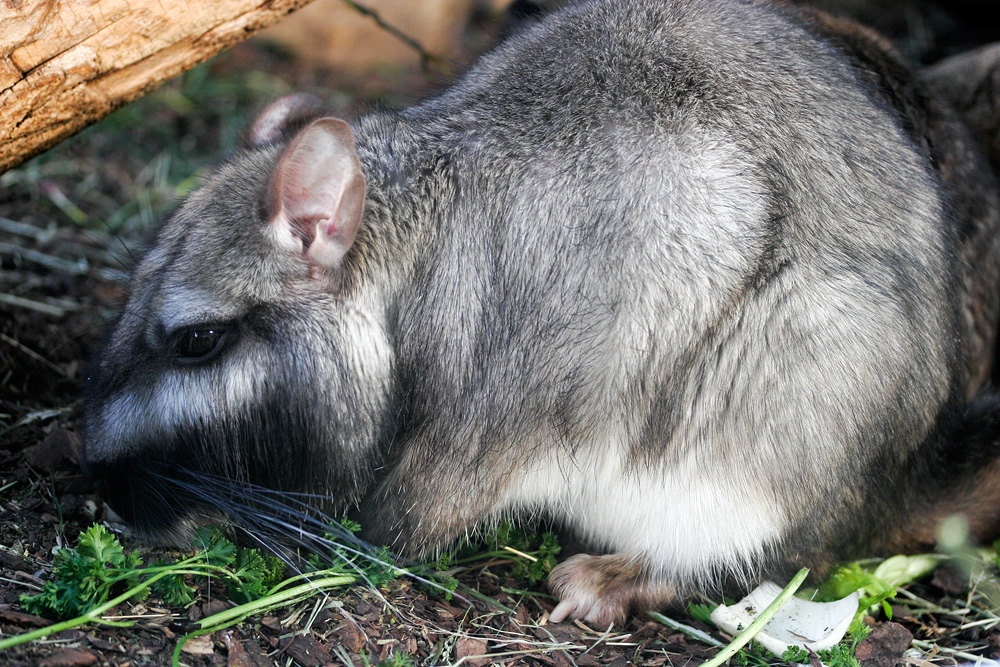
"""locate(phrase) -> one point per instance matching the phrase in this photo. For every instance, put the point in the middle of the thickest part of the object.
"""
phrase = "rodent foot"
(604, 589)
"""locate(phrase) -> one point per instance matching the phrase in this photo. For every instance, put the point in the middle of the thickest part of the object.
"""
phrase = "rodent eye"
(199, 345)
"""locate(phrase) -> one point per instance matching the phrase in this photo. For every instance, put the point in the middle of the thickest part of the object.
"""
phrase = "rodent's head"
(245, 356)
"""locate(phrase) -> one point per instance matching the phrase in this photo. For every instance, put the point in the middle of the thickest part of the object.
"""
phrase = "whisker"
(311, 514)
(256, 525)
(266, 515)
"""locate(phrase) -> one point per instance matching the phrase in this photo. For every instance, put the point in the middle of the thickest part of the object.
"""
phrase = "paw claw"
(603, 589)
(563, 610)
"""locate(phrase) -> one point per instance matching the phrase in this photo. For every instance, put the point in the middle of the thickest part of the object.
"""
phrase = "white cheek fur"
(182, 397)
(189, 396)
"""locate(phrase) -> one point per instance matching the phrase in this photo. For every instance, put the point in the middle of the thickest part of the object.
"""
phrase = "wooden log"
(66, 63)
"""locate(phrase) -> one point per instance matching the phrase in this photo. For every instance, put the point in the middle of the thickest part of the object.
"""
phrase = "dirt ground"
(70, 223)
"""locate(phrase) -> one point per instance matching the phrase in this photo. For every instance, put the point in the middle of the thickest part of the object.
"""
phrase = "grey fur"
(668, 272)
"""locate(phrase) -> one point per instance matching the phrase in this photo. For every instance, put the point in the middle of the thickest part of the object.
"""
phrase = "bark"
(66, 63)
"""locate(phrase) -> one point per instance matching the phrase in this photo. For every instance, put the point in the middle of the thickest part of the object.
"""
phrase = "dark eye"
(199, 345)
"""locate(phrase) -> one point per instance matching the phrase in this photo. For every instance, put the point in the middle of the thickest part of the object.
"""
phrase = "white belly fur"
(689, 522)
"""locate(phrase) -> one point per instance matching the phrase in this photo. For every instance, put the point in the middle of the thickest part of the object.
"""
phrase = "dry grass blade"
(37, 234)
(29, 304)
(34, 355)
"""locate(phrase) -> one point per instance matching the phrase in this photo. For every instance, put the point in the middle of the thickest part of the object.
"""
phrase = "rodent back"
(696, 241)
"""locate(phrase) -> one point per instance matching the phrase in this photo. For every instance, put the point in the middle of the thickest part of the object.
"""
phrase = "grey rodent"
(713, 283)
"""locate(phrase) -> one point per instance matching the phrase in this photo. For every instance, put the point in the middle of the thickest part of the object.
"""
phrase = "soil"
(70, 221)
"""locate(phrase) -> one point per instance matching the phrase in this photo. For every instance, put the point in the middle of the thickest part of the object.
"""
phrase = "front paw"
(604, 589)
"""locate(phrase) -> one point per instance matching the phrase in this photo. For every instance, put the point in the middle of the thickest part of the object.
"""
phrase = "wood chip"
(70, 657)
(561, 659)
(257, 653)
(203, 645)
(308, 652)
(523, 616)
(213, 607)
(271, 624)
(21, 618)
(239, 656)
(103, 644)
(468, 648)
(351, 637)
(59, 450)
(10, 561)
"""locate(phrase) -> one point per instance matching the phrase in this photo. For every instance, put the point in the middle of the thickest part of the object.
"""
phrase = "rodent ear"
(285, 114)
(318, 193)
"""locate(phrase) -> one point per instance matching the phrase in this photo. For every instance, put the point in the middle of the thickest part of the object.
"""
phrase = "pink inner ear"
(319, 191)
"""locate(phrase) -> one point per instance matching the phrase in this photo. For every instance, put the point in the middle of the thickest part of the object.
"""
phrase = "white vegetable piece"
(814, 625)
